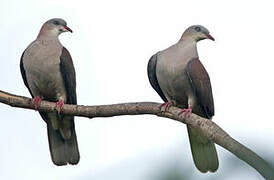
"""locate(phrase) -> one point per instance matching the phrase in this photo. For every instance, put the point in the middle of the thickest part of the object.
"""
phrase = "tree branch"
(209, 129)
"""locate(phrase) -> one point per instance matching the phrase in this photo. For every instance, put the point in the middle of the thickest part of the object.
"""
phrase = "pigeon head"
(197, 33)
(54, 27)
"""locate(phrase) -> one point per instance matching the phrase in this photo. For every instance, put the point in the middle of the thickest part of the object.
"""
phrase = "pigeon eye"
(198, 29)
(56, 23)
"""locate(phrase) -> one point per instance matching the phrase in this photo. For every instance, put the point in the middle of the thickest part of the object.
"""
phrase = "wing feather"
(201, 85)
(151, 71)
(68, 74)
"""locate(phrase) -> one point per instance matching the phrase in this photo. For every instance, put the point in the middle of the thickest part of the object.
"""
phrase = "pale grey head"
(54, 27)
(197, 33)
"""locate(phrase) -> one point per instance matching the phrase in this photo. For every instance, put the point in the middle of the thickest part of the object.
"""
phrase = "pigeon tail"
(63, 151)
(203, 151)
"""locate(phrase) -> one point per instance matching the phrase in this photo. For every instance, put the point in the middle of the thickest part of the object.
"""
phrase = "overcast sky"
(111, 45)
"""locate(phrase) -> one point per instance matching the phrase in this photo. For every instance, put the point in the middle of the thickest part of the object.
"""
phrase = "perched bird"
(48, 73)
(180, 79)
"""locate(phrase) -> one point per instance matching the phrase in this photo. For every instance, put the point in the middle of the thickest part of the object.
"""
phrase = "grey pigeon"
(48, 73)
(180, 79)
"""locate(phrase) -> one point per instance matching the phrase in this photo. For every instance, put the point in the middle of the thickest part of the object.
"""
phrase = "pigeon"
(48, 73)
(180, 79)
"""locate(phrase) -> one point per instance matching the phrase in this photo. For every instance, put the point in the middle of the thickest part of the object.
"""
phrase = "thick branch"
(210, 129)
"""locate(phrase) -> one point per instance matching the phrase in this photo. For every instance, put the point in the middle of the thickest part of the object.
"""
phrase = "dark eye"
(198, 29)
(56, 23)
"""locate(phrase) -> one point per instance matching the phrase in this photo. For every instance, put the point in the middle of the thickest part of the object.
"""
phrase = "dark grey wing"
(69, 146)
(151, 71)
(68, 74)
(201, 85)
(23, 73)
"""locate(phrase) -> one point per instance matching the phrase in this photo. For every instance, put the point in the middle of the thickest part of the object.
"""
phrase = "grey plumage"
(178, 76)
(48, 72)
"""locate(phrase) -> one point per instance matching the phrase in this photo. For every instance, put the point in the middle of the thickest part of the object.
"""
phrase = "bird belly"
(46, 82)
(175, 84)
(180, 88)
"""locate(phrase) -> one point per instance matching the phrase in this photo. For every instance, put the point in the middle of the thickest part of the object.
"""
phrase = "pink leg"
(59, 105)
(36, 102)
(186, 111)
(166, 105)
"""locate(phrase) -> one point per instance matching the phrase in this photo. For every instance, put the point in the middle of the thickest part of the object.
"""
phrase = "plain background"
(111, 45)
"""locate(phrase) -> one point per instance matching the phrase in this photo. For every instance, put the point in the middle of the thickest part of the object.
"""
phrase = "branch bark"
(210, 129)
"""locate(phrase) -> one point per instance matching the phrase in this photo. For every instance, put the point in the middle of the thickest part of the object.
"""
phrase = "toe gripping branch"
(186, 111)
(36, 102)
(59, 105)
(166, 105)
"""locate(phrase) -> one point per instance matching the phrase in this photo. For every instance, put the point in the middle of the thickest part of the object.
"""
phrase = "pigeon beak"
(68, 29)
(210, 37)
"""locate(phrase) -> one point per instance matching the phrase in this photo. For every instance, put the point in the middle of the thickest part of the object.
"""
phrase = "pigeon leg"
(166, 105)
(59, 105)
(36, 102)
(186, 111)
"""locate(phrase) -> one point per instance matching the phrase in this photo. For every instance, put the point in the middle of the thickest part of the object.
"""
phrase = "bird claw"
(59, 105)
(166, 105)
(36, 102)
(186, 111)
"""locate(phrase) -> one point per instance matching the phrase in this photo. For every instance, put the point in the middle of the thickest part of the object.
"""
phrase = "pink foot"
(166, 105)
(60, 105)
(186, 111)
(36, 102)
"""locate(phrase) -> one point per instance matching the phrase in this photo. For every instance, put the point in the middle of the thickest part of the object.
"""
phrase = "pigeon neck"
(47, 36)
(188, 47)
(48, 33)
(187, 42)
(46, 39)
(189, 39)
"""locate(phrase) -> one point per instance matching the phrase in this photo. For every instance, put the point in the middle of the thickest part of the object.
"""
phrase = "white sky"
(111, 45)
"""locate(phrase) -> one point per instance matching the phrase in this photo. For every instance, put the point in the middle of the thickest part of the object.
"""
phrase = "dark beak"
(210, 37)
(68, 29)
